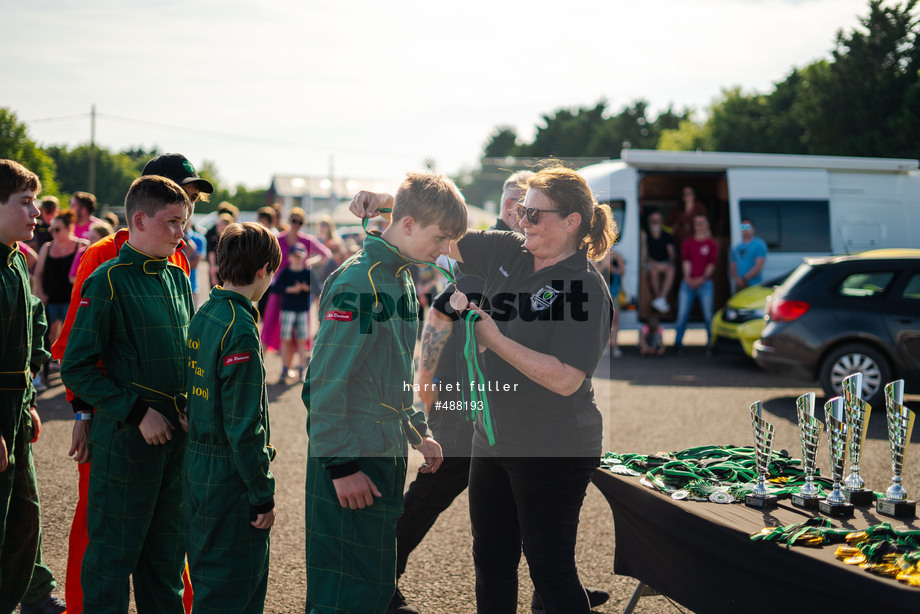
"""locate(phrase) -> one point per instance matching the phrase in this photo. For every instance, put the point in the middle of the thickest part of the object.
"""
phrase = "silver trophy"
(857, 412)
(809, 432)
(900, 426)
(763, 453)
(837, 438)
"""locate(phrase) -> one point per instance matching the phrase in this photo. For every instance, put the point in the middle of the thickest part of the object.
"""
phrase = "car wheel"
(856, 358)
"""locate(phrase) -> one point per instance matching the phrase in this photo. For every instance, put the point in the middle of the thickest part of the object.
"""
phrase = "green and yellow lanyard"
(880, 549)
(702, 471)
(476, 400)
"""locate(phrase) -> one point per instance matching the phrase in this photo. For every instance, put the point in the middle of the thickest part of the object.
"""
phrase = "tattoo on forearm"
(433, 342)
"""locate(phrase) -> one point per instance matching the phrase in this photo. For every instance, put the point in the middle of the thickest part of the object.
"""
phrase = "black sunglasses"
(294, 220)
(532, 214)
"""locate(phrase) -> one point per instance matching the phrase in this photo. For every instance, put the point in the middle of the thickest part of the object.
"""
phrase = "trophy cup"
(837, 439)
(857, 412)
(809, 431)
(900, 426)
(763, 450)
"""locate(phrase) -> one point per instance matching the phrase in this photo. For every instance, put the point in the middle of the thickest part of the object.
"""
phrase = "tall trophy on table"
(809, 432)
(763, 453)
(900, 426)
(837, 437)
(857, 412)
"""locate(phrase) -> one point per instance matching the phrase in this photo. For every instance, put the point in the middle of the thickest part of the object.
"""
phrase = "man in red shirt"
(180, 170)
(699, 254)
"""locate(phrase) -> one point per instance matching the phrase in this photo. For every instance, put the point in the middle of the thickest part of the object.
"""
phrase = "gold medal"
(856, 537)
(844, 552)
(856, 559)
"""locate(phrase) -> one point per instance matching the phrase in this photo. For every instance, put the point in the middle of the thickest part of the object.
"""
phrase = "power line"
(56, 119)
(220, 135)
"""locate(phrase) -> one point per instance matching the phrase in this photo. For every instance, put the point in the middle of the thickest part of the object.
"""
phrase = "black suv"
(840, 315)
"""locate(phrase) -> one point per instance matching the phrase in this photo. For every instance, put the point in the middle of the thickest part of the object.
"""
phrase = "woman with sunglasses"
(52, 272)
(271, 319)
(544, 345)
(546, 330)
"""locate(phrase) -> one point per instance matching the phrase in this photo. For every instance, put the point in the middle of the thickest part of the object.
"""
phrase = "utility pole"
(92, 150)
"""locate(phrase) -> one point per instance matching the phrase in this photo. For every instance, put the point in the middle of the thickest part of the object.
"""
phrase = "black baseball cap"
(177, 167)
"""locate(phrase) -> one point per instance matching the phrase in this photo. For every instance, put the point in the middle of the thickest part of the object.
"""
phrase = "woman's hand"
(487, 333)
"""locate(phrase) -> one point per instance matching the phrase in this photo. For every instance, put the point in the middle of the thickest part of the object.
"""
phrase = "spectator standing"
(293, 284)
(660, 258)
(748, 258)
(195, 250)
(680, 219)
(52, 273)
(271, 327)
(699, 262)
(97, 232)
(614, 268)
(213, 238)
(49, 208)
(83, 204)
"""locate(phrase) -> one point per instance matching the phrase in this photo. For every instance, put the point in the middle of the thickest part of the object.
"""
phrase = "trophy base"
(860, 497)
(809, 503)
(843, 510)
(767, 502)
(897, 509)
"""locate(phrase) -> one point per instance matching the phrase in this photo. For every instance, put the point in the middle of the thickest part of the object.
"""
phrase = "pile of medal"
(719, 474)
(879, 549)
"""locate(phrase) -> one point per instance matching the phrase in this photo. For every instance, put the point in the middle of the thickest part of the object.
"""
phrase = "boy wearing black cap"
(133, 317)
(181, 171)
(229, 489)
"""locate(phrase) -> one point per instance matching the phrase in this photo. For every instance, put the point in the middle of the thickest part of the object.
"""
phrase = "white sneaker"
(38, 384)
(661, 304)
(617, 353)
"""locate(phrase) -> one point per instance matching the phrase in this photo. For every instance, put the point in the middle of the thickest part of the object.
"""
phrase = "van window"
(790, 225)
(619, 212)
(866, 284)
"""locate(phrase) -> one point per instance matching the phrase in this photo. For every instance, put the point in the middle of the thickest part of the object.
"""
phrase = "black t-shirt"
(299, 301)
(658, 248)
(564, 311)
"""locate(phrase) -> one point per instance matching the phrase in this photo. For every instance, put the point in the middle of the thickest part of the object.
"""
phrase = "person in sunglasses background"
(550, 322)
(271, 319)
(748, 258)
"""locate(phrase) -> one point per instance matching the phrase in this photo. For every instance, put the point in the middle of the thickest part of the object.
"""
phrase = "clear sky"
(264, 87)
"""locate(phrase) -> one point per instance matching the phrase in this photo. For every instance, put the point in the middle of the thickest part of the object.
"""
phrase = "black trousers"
(428, 496)
(534, 503)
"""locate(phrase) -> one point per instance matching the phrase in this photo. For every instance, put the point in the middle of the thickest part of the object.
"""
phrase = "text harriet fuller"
(487, 386)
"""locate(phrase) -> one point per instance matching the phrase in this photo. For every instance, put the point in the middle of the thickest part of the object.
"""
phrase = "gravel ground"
(667, 404)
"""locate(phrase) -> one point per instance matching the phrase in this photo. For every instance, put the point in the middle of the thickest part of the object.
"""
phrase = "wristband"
(83, 415)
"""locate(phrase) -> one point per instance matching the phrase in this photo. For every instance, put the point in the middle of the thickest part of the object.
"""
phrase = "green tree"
(860, 105)
(15, 144)
(114, 173)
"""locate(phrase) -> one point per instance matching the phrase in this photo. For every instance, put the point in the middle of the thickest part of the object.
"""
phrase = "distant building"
(316, 196)
(319, 196)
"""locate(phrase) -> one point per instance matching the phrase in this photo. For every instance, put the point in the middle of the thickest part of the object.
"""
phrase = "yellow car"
(740, 322)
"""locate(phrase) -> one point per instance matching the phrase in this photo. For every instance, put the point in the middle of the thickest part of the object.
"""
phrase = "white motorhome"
(801, 206)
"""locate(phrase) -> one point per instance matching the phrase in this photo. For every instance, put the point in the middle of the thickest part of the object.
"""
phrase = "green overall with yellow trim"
(133, 316)
(22, 351)
(226, 474)
(359, 410)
